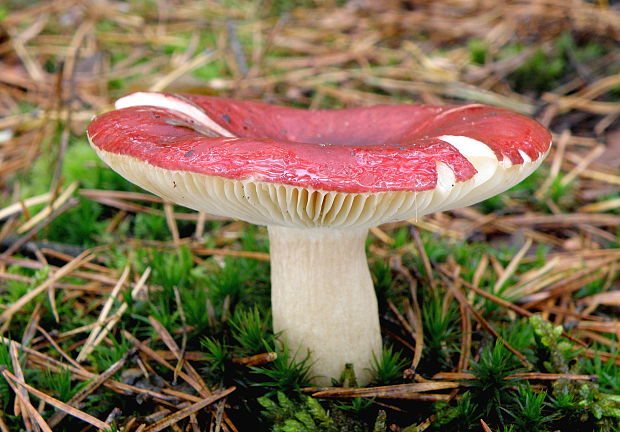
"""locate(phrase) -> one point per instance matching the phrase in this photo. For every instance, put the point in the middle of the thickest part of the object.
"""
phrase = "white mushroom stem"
(323, 299)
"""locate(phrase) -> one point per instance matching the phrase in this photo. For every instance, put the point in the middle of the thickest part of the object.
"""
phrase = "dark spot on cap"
(226, 118)
(283, 131)
(156, 115)
(189, 153)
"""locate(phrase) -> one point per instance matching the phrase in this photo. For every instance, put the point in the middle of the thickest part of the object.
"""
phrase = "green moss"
(478, 50)
(82, 164)
(252, 331)
(545, 70)
(304, 414)
(388, 368)
(289, 371)
(441, 333)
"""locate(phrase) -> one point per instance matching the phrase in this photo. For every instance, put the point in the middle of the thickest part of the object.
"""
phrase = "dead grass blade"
(570, 283)
(89, 344)
(601, 206)
(260, 256)
(515, 377)
(60, 351)
(401, 391)
(256, 360)
(55, 402)
(30, 234)
(32, 412)
(504, 303)
(48, 363)
(114, 319)
(413, 313)
(153, 355)
(167, 338)
(93, 385)
(118, 199)
(485, 426)
(466, 338)
(512, 265)
(3, 426)
(181, 358)
(606, 298)
(186, 412)
(563, 220)
(20, 206)
(63, 271)
(551, 377)
(48, 210)
(198, 61)
(485, 324)
(23, 401)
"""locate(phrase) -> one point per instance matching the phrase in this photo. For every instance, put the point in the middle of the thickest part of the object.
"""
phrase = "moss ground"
(126, 313)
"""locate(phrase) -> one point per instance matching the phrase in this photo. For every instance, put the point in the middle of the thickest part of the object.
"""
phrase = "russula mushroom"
(318, 180)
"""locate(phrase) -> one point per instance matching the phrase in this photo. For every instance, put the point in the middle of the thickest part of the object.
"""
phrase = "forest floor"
(119, 311)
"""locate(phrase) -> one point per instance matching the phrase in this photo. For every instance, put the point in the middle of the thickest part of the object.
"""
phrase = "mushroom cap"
(326, 168)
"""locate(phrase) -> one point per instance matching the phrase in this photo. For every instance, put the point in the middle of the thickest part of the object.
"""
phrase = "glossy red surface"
(381, 148)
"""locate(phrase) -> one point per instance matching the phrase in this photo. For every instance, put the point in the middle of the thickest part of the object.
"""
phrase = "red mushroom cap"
(358, 150)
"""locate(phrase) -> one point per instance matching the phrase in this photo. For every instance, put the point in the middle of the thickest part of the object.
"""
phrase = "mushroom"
(318, 180)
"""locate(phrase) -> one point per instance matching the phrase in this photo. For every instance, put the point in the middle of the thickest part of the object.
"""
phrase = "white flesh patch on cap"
(293, 206)
(477, 153)
(173, 103)
(492, 176)
(526, 158)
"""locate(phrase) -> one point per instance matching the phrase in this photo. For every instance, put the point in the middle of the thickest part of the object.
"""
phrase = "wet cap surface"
(375, 149)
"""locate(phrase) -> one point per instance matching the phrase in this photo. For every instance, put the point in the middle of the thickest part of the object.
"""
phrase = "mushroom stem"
(323, 299)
